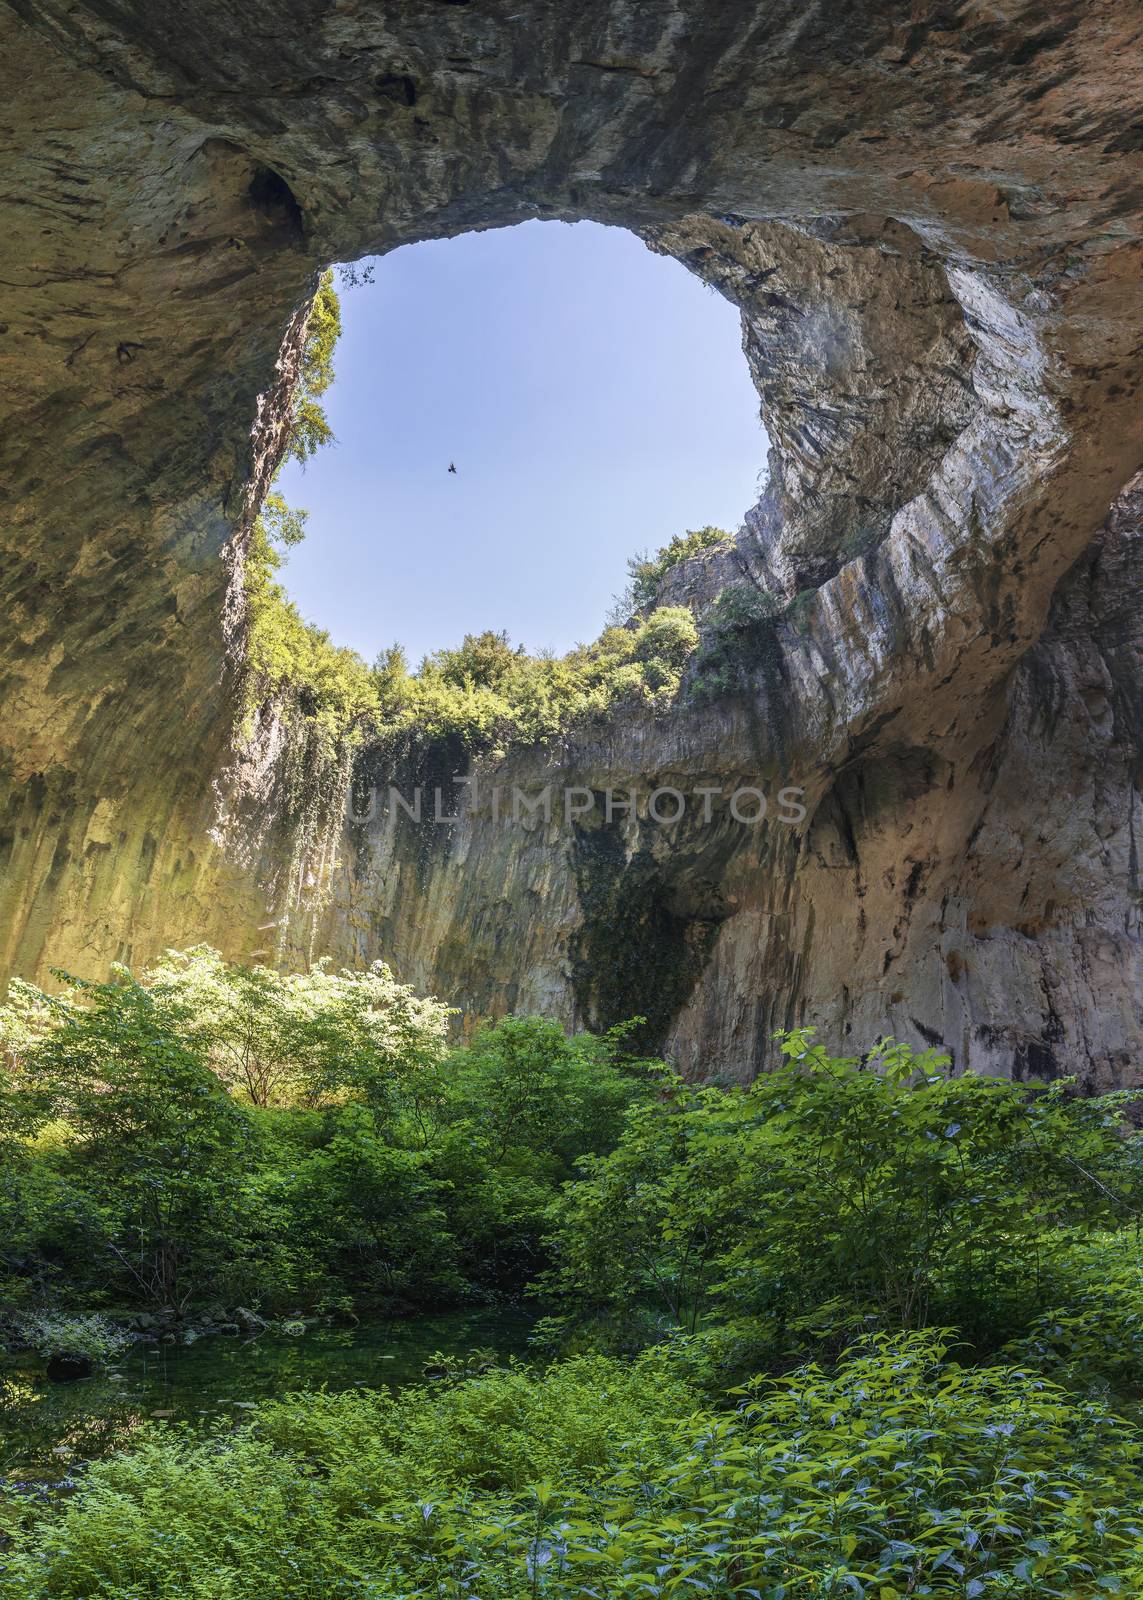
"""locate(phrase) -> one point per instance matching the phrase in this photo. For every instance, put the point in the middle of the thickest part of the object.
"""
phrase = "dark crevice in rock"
(635, 954)
(272, 196)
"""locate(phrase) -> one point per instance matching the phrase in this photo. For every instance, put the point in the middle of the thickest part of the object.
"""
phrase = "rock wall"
(932, 227)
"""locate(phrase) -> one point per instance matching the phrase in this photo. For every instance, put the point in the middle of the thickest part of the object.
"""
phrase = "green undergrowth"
(897, 1473)
(1091, 1339)
(205, 1135)
(837, 1195)
(859, 1328)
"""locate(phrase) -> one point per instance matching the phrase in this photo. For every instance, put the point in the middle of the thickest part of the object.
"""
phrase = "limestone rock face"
(931, 224)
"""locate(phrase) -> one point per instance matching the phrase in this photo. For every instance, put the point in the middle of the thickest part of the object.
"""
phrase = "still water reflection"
(48, 1429)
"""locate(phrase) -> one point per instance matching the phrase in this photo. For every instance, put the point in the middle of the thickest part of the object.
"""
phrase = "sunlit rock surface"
(932, 228)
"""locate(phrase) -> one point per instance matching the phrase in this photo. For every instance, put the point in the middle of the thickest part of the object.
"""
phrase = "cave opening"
(517, 413)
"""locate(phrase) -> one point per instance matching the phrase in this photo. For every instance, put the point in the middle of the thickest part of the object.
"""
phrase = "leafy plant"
(737, 637)
(215, 1132)
(288, 661)
(278, 1037)
(1091, 1339)
(309, 428)
(646, 572)
(486, 696)
(518, 1107)
(901, 1474)
(153, 1121)
(836, 1194)
(92, 1338)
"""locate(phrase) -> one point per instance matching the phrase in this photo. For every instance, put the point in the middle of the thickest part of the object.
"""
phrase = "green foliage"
(837, 1194)
(519, 1107)
(357, 1213)
(669, 635)
(159, 1143)
(646, 572)
(488, 696)
(1091, 1340)
(484, 661)
(309, 427)
(228, 1134)
(51, 1334)
(901, 1474)
(522, 1084)
(288, 660)
(737, 635)
(503, 1431)
(739, 608)
(219, 1129)
(799, 608)
(284, 1037)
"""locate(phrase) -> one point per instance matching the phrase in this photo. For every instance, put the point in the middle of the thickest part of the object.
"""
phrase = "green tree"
(159, 1145)
(836, 1194)
(524, 1085)
(309, 429)
(517, 1109)
(317, 1036)
(365, 1218)
(645, 573)
(484, 660)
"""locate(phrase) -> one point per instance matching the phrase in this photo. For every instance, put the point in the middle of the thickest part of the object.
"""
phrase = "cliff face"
(932, 228)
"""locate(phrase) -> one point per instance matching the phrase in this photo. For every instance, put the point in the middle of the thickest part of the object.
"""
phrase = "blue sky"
(594, 398)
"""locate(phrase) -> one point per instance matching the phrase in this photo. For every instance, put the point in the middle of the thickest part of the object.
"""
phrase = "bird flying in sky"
(452, 466)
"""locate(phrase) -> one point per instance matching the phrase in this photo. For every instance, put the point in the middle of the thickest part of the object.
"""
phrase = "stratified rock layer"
(932, 227)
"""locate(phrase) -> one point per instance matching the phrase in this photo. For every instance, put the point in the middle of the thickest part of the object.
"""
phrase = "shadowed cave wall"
(930, 220)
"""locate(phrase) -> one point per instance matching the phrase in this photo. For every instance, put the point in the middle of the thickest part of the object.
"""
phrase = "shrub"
(309, 430)
(157, 1143)
(501, 1431)
(669, 635)
(483, 661)
(485, 696)
(289, 662)
(799, 608)
(1091, 1340)
(278, 1037)
(737, 635)
(739, 608)
(519, 1106)
(92, 1338)
(902, 1474)
(646, 572)
(226, 1134)
(357, 1211)
(830, 1196)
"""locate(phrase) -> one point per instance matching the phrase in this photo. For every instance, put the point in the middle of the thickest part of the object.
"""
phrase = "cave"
(930, 223)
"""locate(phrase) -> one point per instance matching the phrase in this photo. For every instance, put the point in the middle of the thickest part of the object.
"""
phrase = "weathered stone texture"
(931, 221)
